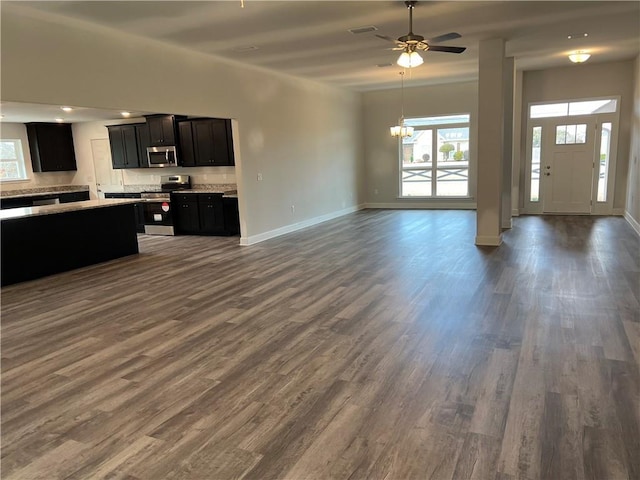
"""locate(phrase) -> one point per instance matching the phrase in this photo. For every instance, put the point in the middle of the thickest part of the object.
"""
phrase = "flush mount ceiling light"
(401, 130)
(579, 56)
(125, 114)
(410, 43)
(66, 109)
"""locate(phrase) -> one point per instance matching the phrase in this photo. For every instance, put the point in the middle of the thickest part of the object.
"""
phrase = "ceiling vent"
(359, 30)
(383, 65)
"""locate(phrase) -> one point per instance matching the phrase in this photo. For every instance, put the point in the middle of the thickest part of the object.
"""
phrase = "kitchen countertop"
(39, 191)
(25, 212)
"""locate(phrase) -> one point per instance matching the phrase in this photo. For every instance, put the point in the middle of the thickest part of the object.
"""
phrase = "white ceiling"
(311, 38)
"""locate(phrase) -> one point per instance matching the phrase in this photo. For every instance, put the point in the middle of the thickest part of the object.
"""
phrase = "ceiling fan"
(411, 42)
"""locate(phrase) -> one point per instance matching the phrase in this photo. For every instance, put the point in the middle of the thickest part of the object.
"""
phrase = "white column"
(507, 143)
(490, 142)
(518, 154)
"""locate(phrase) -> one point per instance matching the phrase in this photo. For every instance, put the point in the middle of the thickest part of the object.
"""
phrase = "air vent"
(359, 30)
(246, 48)
(383, 65)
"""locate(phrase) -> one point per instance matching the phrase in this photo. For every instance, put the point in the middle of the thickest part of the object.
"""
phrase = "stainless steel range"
(158, 215)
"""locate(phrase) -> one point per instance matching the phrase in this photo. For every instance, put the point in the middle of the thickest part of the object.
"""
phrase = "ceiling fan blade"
(444, 38)
(388, 39)
(444, 48)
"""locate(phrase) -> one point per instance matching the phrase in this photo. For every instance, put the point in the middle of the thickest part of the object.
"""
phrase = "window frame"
(22, 166)
(434, 162)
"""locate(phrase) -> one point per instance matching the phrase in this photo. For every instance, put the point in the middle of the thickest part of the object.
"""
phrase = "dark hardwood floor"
(382, 345)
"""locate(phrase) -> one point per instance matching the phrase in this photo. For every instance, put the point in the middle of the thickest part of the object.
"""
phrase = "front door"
(567, 167)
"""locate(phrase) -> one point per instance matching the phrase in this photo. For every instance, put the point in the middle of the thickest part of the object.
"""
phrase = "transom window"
(435, 159)
(563, 109)
(11, 160)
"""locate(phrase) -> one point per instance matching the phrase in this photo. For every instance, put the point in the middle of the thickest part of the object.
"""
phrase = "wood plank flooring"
(381, 345)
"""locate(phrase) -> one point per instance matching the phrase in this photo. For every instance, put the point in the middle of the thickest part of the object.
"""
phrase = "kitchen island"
(48, 239)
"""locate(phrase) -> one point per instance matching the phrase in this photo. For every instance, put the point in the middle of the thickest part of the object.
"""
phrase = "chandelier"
(401, 130)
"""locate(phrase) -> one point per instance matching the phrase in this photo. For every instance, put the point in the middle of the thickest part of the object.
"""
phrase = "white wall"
(304, 137)
(585, 81)
(19, 131)
(382, 110)
(632, 207)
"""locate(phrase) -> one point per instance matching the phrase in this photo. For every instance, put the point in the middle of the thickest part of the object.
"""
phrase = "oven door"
(158, 217)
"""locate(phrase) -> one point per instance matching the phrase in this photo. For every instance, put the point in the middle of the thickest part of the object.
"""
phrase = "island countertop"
(23, 212)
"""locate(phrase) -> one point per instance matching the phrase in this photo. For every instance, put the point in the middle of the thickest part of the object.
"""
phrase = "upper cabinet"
(206, 142)
(51, 146)
(201, 142)
(129, 144)
(162, 129)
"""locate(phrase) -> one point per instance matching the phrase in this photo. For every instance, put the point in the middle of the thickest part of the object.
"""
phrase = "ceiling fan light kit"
(410, 60)
(410, 43)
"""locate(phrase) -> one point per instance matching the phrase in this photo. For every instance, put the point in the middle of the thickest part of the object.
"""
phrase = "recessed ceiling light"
(577, 35)
(358, 30)
(66, 109)
(59, 120)
(125, 114)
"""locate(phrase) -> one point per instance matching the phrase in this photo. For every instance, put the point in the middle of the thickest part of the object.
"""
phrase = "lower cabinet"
(202, 214)
(186, 217)
(138, 207)
(35, 200)
(74, 197)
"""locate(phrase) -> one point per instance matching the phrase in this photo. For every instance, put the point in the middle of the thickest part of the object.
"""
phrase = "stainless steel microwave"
(159, 157)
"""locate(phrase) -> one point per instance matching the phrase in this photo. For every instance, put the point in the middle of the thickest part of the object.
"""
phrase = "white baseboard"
(632, 221)
(422, 206)
(489, 240)
(261, 237)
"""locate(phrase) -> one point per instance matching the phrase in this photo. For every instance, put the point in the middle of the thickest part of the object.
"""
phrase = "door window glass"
(571, 134)
(534, 195)
(605, 148)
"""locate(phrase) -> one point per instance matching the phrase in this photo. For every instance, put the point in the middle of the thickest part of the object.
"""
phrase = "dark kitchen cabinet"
(124, 146)
(44, 199)
(73, 197)
(211, 214)
(144, 141)
(186, 213)
(187, 154)
(51, 146)
(206, 142)
(201, 214)
(231, 216)
(162, 129)
(138, 207)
